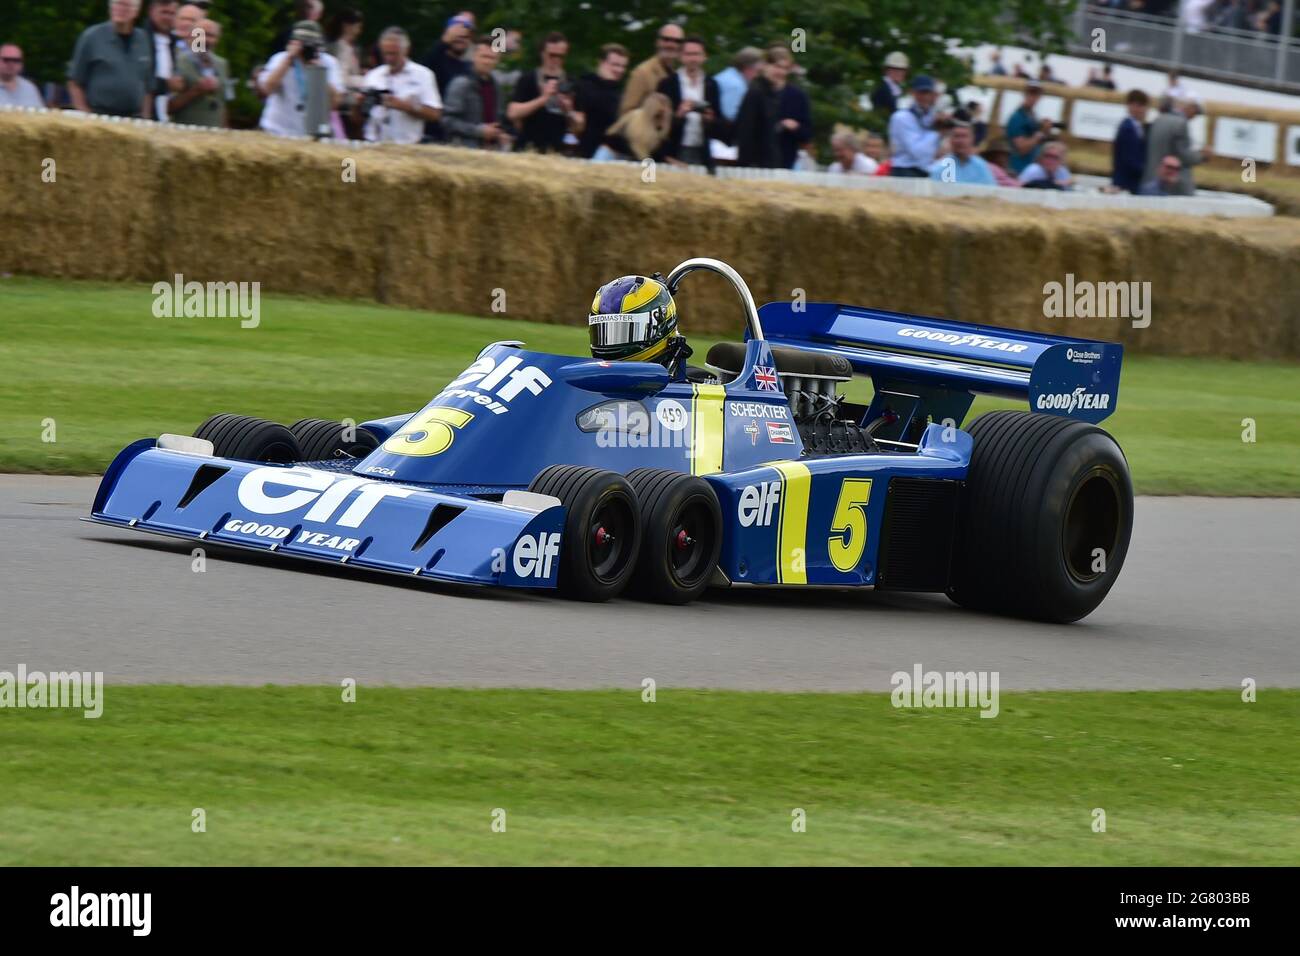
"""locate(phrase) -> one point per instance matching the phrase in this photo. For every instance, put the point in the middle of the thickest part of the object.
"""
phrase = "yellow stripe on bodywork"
(707, 427)
(792, 532)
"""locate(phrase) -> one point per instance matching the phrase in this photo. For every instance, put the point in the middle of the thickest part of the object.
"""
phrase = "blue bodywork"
(437, 498)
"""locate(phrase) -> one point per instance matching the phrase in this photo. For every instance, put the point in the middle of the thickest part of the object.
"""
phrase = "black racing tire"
(1043, 494)
(681, 535)
(322, 440)
(602, 530)
(250, 439)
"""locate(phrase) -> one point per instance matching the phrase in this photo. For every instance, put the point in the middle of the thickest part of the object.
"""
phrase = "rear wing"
(942, 365)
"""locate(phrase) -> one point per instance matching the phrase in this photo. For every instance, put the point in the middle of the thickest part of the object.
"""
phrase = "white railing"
(1170, 43)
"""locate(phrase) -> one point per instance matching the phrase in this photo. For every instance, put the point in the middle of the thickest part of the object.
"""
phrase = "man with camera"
(542, 106)
(402, 95)
(696, 106)
(285, 81)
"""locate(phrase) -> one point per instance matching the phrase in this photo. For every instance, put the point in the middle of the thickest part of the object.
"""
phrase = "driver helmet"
(632, 318)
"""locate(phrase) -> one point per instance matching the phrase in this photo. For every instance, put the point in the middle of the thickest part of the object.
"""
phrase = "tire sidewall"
(1062, 596)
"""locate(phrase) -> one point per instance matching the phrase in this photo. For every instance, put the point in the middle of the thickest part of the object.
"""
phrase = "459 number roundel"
(429, 433)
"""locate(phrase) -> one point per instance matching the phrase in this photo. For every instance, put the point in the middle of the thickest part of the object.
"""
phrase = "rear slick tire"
(1046, 517)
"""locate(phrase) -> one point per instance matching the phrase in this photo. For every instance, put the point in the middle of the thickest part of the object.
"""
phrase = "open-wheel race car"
(587, 475)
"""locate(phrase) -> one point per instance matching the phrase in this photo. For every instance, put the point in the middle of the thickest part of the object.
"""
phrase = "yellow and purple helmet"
(632, 318)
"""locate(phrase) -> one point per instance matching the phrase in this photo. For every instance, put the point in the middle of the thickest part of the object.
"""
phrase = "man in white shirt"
(848, 158)
(411, 98)
(283, 81)
(14, 89)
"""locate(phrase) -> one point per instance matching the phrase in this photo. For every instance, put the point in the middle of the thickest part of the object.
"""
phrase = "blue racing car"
(635, 470)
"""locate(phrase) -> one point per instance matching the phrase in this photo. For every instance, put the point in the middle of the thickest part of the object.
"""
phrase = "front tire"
(681, 534)
(322, 440)
(1046, 517)
(602, 530)
(250, 439)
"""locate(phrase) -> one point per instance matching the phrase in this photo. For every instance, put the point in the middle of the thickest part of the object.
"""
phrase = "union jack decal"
(765, 378)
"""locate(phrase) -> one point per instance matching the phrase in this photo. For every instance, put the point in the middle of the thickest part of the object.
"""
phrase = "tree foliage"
(843, 42)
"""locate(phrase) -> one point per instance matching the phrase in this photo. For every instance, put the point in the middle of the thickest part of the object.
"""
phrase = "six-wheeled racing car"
(586, 475)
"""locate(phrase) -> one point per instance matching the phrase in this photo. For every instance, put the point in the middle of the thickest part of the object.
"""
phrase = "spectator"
(159, 24)
(476, 103)
(1168, 181)
(912, 135)
(206, 78)
(849, 159)
(1129, 153)
(446, 58)
(542, 107)
(597, 96)
(759, 122)
(979, 128)
(1103, 81)
(696, 105)
(342, 37)
(1025, 131)
(734, 81)
(647, 76)
(1049, 170)
(283, 81)
(996, 153)
(411, 93)
(311, 10)
(111, 70)
(185, 27)
(796, 132)
(996, 68)
(873, 147)
(962, 165)
(15, 89)
(1169, 136)
(1175, 90)
(884, 98)
(1045, 74)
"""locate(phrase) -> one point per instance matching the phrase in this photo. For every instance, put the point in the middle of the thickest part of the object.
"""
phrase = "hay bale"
(444, 228)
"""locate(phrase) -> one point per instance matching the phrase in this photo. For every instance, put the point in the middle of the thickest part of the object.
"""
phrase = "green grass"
(295, 776)
(94, 359)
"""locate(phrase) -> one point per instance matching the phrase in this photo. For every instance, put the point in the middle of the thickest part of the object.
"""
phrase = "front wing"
(322, 515)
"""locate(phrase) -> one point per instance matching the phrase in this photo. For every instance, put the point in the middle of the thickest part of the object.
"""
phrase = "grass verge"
(292, 775)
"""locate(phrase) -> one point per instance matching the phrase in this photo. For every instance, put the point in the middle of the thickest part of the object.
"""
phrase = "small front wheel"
(602, 530)
(681, 534)
(250, 439)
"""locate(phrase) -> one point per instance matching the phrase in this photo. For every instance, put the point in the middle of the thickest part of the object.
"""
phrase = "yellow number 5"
(849, 525)
(429, 433)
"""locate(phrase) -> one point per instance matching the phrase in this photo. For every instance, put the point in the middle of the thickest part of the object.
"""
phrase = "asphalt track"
(1210, 595)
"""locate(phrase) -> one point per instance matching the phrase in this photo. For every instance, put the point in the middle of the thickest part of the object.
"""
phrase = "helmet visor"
(619, 330)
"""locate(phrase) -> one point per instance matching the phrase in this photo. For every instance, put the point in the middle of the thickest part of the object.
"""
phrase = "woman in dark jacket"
(759, 123)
